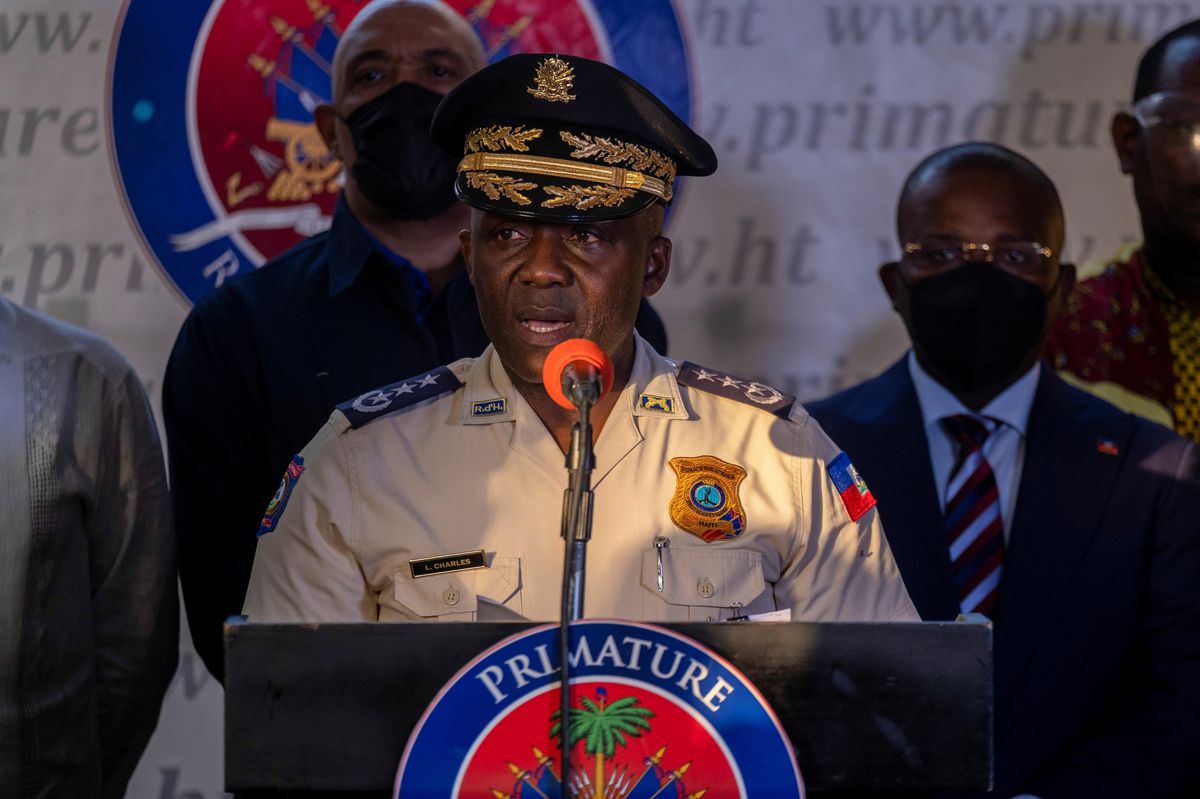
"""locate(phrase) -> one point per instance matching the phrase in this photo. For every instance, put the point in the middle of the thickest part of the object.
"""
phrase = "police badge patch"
(706, 502)
(278, 502)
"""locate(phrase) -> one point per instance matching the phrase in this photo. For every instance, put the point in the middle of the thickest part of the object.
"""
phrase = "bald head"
(397, 45)
(980, 280)
(1170, 54)
(435, 43)
(980, 167)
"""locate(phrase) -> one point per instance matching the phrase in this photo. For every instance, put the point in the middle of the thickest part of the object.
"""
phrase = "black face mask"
(975, 326)
(398, 167)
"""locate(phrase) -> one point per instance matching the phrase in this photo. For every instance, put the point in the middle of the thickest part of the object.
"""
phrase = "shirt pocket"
(710, 584)
(456, 596)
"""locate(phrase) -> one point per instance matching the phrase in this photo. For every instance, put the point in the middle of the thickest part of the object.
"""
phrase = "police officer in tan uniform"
(439, 497)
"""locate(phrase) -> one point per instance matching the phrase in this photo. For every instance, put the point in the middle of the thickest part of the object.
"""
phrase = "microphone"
(576, 374)
(577, 371)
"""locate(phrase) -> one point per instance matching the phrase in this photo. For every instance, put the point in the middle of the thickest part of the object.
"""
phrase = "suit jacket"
(1097, 625)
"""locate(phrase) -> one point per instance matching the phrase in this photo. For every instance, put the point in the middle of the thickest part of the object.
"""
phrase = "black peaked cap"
(563, 138)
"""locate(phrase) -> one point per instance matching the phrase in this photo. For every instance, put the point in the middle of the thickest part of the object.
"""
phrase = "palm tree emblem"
(603, 727)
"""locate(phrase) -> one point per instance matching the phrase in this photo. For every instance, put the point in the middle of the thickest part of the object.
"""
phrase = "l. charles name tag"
(443, 564)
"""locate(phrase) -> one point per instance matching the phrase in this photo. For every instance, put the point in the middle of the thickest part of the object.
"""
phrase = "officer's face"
(540, 284)
(1163, 156)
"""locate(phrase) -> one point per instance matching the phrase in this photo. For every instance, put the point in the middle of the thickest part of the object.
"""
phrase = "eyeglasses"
(932, 256)
(1172, 117)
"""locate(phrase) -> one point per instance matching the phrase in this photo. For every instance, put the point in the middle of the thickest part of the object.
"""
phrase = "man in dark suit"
(1073, 526)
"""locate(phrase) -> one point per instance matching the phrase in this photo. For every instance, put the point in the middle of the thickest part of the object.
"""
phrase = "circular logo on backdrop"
(210, 107)
(653, 714)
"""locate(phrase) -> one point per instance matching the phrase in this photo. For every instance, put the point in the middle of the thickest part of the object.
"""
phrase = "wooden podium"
(321, 710)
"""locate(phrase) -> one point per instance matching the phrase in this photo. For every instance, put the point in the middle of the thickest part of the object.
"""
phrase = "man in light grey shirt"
(89, 617)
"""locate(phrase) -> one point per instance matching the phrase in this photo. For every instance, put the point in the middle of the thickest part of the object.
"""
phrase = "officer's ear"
(1125, 131)
(326, 119)
(889, 276)
(658, 265)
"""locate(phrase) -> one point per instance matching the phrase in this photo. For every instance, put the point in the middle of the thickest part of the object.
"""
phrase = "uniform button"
(450, 596)
(705, 588)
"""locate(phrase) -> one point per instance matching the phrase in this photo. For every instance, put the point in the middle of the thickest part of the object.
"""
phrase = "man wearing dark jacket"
(1004, 491)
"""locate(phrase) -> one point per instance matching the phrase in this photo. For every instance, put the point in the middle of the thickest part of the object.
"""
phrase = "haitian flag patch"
(849, 483)
(279, 501)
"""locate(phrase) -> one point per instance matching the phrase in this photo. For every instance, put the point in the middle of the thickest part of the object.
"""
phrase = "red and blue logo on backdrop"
(654, 715)
(210, 108)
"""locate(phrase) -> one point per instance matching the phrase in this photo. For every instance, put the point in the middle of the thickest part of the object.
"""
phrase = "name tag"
(442, 564)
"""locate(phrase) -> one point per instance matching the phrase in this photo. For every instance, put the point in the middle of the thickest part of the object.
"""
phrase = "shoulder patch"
(404, 394)
(857, 498)
(278, 502)
(748, 392)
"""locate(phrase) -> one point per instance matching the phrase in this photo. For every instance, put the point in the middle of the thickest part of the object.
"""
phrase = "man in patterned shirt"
(1131, 334)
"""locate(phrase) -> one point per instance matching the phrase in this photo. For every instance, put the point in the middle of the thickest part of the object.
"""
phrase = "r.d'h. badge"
(706, 502)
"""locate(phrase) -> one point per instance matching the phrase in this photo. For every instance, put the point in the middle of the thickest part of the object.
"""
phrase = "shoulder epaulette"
(404, 394)
(748, 392)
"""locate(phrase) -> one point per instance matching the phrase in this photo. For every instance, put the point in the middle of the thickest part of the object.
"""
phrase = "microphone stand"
(576, 530)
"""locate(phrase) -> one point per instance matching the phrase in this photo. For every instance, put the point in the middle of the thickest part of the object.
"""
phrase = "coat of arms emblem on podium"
(654, 715)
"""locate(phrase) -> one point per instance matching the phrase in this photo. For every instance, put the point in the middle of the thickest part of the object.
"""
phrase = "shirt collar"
(1011, 406)
(489, 395)
(349, 248)
(418, 281)
(652, 390)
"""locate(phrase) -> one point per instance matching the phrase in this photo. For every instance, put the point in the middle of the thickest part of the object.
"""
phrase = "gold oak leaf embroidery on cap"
(553, 78)
(619, 152)
(585, 197)
(494, 185)
(501, 137)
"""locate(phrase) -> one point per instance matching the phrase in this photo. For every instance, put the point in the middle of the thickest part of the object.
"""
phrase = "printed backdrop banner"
(150, 151)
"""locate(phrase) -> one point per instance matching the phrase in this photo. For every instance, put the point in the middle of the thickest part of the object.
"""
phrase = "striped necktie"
(974, 527)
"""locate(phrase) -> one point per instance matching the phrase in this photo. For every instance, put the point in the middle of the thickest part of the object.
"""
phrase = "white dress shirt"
(1004, 448)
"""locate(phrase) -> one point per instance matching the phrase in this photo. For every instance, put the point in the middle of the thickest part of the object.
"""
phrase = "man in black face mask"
(261, 362)
(1004, 491)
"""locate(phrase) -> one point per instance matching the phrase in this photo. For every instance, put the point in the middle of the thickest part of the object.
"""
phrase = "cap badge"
(553, 78)
(706, 502)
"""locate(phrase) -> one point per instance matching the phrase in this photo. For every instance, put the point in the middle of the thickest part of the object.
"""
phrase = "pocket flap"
(456, 592)
(696, 576)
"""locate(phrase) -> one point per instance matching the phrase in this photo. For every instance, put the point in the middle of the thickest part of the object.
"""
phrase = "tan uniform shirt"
(477, 469)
